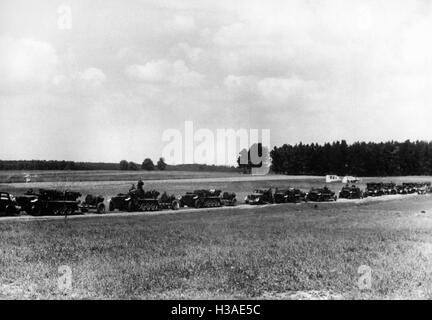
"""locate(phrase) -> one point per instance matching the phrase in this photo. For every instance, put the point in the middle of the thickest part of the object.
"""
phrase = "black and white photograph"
(203, 150)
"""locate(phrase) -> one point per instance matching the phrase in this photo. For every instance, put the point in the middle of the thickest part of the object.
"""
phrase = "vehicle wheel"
(100, 208)
(175, 205)
(36, 210)
(57, 211)
(130, 206)
(197, 204)
(69, 211)
(111, 206)
(11, 210)
(234, 202)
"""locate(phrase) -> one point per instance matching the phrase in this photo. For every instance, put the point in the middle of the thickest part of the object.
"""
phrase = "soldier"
(140, 188)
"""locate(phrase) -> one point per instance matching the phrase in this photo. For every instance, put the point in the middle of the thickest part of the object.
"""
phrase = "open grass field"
(16, 176)
(278, 251)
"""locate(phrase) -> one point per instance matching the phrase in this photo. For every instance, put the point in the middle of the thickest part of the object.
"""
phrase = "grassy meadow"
(280, 251)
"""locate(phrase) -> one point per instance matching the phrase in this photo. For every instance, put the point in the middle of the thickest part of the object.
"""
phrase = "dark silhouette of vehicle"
(229, 199)
(202, 199)
(136, 200)
(414, 187)
(8, 205)
(321, 194)
(93, 203)
(423, 187)
(260, 196)
(374, 189)
(351, 192)
(389, 188)
(289, 195)
(27, 200)
(55, 202)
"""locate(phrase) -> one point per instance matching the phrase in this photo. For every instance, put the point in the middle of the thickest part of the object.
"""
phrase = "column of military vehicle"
(55, 202)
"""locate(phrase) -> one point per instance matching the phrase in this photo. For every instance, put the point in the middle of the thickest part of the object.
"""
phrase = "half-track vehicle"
(351, 192)
(374, 189)
(321, 194)
(140, 200)
(389, 188)
(55, 202)
(202, 199)
(260, 196)
(284, 195)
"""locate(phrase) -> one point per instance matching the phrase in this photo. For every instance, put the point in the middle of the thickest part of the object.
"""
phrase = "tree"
(161, 165)
(148, 164)
(133, 166)
(124, 165)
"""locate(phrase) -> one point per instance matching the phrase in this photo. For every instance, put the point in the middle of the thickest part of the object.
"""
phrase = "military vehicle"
(321, 194)
(260, 196)
(229, 199)
(410, 187)
(26, 201)
(8, 205)
(351, 192)
(374, 189)
(389, 188)
(137, 200)
(289, 195)
(201, 199)
(92, 203)
(423, 187)
(55, 202)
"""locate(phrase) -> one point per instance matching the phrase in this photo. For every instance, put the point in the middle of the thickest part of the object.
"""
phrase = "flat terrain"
(290, 251)
(278, 251)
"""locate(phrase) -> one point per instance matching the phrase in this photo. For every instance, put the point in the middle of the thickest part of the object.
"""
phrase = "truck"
(8, 205)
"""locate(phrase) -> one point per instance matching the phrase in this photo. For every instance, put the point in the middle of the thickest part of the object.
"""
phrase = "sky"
(107, 83)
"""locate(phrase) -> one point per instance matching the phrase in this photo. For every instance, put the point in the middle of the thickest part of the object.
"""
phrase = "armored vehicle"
(137, 200)
(374, 189)
(289, 195)
(55, 202)
(351, 192)
(201, 199)
(260, 196)
(389, 188)
(321, 194)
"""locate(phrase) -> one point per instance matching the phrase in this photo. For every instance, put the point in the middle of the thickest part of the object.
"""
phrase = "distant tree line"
(147, 164)
(360, 158)
(55, 165)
